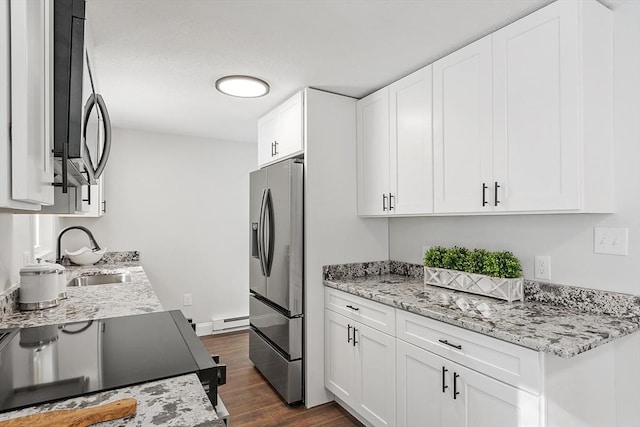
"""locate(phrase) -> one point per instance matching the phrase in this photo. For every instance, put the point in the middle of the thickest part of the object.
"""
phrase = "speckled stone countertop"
(566, 327)
(179, 401)
(93, 302)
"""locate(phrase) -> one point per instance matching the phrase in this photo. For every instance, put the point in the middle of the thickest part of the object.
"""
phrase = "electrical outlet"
(187, 300)
(542, 268)
(26, 258)
(612, 241)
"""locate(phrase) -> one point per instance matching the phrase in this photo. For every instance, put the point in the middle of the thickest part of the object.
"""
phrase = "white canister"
(38, 287)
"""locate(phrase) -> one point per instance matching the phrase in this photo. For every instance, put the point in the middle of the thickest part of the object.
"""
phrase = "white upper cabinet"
(523, 117)
(552, 109)
(395, 148)
(463, 164)
(26, 44)
(411, 143)
(267, 130)
(373, 153)
(280, 133)
(522, 123)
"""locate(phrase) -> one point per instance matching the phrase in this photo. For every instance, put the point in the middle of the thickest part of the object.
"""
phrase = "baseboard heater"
(230, 323)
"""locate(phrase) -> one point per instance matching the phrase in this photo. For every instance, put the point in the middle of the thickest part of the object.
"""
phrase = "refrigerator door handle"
(261, 255)
(269, 231)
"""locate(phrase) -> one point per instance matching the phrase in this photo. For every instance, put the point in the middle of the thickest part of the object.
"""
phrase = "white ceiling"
(157, 59)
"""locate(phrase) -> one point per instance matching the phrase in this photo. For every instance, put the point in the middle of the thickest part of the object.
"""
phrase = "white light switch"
(609, 240)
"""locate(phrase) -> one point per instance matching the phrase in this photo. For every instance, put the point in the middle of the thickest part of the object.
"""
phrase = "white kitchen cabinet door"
(340, 357)
(290, 141)
(280, 133)
(411, 144)
(422, 388)
(428, 383)
(375, 376)
(481, 401)
(373, 153)
(536, 80)
(31, 99)
(462, 120)
(267, 130)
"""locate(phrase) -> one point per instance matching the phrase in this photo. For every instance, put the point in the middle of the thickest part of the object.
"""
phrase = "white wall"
(568, 239)
(183, 202)
(15, 239)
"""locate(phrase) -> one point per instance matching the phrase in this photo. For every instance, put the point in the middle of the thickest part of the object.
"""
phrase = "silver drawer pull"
(353, 308)
(459, 347)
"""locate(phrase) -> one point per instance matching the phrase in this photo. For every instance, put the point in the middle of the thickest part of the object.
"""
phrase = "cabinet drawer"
(370, 313)
(510, 363)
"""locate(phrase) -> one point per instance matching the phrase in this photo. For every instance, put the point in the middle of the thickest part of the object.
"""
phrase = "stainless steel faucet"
(94, 243)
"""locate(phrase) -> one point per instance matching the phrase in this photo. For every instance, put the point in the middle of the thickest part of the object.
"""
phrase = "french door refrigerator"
(276, 276)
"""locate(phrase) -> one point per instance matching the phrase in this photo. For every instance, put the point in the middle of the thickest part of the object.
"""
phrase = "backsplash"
(8, 300)
(573, 297)
(120, 257)
(361, 269)
(583, 299)
(124, 257)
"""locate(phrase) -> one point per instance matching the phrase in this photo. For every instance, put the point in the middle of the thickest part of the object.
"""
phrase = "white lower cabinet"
(430, 387)
(421, 393)
(429, 373)
(360, 368)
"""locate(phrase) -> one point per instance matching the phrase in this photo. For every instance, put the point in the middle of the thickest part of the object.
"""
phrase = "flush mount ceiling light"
(242, 86)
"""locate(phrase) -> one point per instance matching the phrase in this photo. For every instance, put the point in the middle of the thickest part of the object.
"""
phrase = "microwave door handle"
(65, 159)
(106, 148)
(86, 154)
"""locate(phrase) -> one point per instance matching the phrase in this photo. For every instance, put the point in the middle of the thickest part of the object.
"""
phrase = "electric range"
(47, 363)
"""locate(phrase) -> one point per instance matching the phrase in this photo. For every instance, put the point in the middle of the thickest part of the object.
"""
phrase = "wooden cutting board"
(77, 417)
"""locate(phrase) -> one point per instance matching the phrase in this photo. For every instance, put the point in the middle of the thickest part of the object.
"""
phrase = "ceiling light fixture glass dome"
(242, 86)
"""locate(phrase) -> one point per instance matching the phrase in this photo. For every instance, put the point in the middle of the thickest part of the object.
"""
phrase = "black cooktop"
(46, 363)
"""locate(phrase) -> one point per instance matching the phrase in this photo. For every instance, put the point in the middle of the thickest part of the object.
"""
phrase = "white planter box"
(495, 287)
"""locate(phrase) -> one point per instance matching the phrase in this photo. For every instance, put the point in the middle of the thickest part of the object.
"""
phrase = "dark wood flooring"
(251, 401)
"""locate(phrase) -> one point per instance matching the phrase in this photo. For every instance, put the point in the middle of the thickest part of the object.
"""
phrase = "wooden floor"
(251, 401)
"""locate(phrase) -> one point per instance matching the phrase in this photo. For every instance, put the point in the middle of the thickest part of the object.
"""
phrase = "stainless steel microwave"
(82, 128)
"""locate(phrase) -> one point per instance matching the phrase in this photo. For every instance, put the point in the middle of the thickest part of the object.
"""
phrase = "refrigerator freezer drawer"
(285, 332)
(284, 376)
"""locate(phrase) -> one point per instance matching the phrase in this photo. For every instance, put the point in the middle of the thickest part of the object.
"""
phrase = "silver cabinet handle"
(384, 202)
(349, 333)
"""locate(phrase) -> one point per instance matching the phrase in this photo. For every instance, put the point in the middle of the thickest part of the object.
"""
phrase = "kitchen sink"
(100, 279)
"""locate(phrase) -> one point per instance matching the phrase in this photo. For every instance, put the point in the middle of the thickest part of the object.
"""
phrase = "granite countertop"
(179, 401)
(93, 302)
(563, 330)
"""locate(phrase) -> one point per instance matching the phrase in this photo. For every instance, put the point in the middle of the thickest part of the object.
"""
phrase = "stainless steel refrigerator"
(276, 276)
